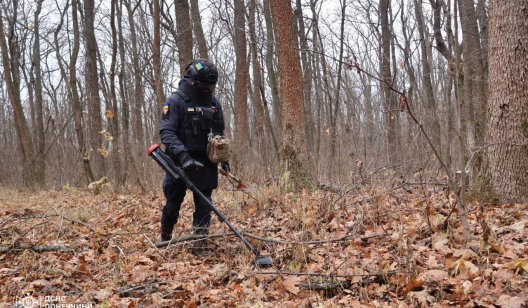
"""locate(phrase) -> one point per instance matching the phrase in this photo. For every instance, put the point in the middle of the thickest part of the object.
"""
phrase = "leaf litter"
(374, 247)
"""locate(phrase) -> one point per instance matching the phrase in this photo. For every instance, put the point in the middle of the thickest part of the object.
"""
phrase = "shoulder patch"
(165, 108)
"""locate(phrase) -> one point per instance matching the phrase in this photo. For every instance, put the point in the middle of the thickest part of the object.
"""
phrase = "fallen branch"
(326, 285)
(36, 248)
(266, 239)
(126, 291)
(190, 238)
(323, 275)
(339, 239)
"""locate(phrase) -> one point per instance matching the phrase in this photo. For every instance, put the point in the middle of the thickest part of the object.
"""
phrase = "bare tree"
(307, 76)
(11, 68)
(92, 89)
(271, 70)
(40, 160)
(156, 55)
(508, 124)
(241, 78)
(430, 101)
(112, 112)
(138, 101)
(198, 29)
(184, 30)
(261, 118)
(293, 148)
(76, 100)
(387, 94)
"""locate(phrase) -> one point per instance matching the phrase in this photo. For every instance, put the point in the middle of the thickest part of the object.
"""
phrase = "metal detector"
(176, 172)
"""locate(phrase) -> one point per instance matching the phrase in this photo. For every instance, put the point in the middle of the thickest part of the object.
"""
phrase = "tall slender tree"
(112, 112)
(156, 55)
(430, 101)
(11, 68)
(198, 29)
(92, 90)
(386, 76)
(184, 30)
(138, 101)
(75, 99)
(241, 77)
(40, 160)
(260, 117)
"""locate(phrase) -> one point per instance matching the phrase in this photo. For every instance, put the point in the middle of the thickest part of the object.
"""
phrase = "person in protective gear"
(189, 116)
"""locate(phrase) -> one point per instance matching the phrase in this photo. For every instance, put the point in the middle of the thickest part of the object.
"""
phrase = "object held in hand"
(226, 167)
(218, 149)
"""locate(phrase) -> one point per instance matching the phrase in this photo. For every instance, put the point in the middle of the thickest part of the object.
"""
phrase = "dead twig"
(127, 290)
(36, 248)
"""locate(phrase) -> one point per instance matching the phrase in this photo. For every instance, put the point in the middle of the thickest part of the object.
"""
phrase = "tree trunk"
(11, 65)
(198, 29)
(430, 102)
(76, 101)
(92, 90)
(260, 138)
(307, 76)
(156, 55)
(138, 101)
(40, 168)
(184, 30)
(508, 124)
(294, 133)
(241, 78)
(124, 97)
(474, 91)
(112, 113)
(273, 81)
(335, 109)
(386, 76)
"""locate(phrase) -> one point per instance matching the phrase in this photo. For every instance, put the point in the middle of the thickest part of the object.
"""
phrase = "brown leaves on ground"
(371, 247)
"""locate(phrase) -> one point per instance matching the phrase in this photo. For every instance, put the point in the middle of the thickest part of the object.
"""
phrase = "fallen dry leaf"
(506, 301)
(290, 284)
(434, 275)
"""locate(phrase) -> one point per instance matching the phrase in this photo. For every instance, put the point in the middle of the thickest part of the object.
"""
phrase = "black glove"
(187, 163)
(226, 167)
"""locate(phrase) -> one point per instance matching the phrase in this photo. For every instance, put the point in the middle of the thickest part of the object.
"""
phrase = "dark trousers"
(174, 192)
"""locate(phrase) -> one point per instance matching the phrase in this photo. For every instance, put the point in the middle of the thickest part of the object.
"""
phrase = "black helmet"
(203, 71)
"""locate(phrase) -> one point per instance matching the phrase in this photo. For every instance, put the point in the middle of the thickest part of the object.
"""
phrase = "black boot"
(166, 233)
(199, 246)
(165, 237)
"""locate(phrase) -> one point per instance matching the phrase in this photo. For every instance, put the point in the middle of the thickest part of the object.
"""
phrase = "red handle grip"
(152, 148)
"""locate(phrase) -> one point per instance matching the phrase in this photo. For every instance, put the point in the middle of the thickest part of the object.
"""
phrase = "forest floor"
(347, 247)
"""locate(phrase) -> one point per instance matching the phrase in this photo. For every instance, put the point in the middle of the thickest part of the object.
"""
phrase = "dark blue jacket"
(187, 120)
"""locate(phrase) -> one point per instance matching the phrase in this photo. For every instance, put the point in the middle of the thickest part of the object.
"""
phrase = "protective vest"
(198, 123)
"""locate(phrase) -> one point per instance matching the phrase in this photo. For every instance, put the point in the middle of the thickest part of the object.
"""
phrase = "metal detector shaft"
(168, 165)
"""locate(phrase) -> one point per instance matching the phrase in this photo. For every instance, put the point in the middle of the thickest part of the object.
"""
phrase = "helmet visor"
(205, 86)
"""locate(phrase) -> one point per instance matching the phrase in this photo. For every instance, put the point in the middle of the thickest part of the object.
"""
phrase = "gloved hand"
(225, 166)
(187, 163)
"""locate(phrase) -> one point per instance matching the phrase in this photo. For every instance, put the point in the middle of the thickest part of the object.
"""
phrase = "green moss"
(524, 132)
(295, 175)
(524, 129)
(481, 190)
